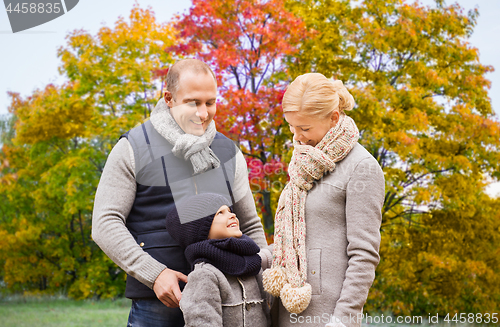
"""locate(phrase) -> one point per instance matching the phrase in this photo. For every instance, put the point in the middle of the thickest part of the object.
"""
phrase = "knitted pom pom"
(273, 280)
(296, 299)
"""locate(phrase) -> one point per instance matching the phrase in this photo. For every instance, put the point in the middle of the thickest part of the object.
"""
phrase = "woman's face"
(309, 130)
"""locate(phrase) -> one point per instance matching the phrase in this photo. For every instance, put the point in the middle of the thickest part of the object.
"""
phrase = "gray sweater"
(343, 217)
(115, 196)
(212, 298)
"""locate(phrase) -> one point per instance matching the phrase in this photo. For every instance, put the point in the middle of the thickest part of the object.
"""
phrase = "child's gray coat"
(212, 298)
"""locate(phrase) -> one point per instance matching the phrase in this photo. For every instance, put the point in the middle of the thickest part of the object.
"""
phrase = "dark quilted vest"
(162, 179)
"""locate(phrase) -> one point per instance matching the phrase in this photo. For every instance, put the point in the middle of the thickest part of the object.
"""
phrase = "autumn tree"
(245, 42)
(448, 261)
(424, 112)
(55, 149)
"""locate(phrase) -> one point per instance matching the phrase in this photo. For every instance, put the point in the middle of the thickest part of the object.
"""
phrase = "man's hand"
(166, 287)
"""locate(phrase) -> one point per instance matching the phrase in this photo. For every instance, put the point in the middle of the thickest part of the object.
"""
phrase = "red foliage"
(246, 43)
(160, 73)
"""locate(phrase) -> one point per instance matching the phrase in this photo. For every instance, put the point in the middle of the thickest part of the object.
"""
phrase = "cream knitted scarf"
(186, 146)
(288, 275)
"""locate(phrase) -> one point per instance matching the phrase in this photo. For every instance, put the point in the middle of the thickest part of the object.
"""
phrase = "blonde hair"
(316, 96)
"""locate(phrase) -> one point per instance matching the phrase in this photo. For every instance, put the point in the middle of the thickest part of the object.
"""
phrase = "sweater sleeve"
(114, 198)
(364, 200)
(201, 302)
(244, 208)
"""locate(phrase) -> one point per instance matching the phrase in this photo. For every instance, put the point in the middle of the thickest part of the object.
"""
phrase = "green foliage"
(447, 261)
(424, 113)
(54, 152)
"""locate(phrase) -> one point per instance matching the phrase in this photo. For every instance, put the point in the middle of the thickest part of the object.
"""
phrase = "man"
(176, 153)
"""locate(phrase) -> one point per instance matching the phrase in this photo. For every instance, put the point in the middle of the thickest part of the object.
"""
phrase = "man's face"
(194, 105)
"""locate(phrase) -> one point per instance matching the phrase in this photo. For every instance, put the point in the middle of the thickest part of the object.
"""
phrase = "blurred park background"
(423, 109)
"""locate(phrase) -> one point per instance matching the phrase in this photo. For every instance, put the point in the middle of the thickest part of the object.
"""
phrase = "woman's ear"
(334, 118)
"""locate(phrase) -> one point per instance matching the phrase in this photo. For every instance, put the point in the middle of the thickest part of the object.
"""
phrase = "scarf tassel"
(294, 299)
(274, 279)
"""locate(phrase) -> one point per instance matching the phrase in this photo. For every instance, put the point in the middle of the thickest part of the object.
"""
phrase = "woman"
(326, 237)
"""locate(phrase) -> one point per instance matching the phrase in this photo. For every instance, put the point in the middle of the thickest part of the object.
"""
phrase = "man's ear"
(168, 98)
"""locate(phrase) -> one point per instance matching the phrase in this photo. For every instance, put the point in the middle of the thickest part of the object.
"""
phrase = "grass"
(46, 311)
(61, 312)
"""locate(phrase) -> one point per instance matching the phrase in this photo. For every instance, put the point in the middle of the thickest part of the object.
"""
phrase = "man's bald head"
(193, 65)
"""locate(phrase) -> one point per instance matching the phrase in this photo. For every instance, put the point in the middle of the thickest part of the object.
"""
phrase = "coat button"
(142, 244)
(313, 272)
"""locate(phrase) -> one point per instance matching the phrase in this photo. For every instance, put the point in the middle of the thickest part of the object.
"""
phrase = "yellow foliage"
(423, 110)
(51, 164)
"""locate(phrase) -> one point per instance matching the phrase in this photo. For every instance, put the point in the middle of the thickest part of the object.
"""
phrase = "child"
(225, 286)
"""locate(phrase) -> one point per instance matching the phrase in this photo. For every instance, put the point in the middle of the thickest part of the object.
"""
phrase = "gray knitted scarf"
(186, 146)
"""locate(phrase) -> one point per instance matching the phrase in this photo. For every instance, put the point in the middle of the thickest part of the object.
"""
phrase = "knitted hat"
(191, 219)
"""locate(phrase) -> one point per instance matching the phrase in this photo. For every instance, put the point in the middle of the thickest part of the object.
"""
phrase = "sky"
(28, 59)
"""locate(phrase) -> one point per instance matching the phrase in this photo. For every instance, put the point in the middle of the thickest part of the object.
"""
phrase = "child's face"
(225, 224)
